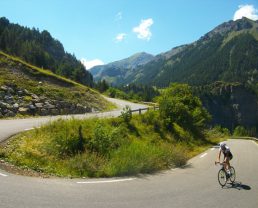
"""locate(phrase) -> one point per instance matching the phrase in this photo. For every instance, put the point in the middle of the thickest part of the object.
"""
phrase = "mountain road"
(194, 185)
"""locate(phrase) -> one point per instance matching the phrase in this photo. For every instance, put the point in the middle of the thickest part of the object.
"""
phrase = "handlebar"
(221, 163)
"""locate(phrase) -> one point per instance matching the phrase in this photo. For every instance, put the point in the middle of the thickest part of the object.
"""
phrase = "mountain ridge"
(115, 71)
(215, 56)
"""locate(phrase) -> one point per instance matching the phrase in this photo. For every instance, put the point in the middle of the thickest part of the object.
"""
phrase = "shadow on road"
(238, 186)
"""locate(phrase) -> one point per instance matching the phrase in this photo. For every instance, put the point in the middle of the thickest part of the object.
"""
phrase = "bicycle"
(223, 176)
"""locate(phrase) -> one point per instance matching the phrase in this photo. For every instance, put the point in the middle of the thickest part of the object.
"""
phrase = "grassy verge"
(102, 148)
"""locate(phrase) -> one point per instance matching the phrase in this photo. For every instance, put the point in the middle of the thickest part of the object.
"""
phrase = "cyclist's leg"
(227, 164)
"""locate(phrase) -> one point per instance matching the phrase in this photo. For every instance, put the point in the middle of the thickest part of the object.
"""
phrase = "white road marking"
(255, 142)
(174, 168)
(28, 129)
(203, 155)
(212, 149)
(1, 174)
(108, 181)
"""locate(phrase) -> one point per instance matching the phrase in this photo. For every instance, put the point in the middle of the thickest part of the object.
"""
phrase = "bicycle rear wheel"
(233, 174)
(222, 177)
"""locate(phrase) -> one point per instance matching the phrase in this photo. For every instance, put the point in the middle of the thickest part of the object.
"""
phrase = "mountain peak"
(230, 26)
(134, 60)
(116, 71)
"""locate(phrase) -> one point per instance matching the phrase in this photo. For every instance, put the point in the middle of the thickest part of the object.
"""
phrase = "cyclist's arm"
(219, 155)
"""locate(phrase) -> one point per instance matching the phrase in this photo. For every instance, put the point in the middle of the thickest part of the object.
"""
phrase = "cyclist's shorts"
(229, 155)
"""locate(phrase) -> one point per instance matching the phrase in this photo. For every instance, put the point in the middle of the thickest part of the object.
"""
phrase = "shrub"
(177, 104)
(126, 114)
(180, 133)
(106, 139)
(65, 138)
(240, 131)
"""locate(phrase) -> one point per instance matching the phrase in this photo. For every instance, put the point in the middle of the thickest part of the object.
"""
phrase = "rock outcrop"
(15, 101)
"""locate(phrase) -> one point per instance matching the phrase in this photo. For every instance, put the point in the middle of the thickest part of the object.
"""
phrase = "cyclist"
(227, 156)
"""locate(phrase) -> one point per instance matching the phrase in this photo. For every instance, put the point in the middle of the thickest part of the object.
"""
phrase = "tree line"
(42, 50)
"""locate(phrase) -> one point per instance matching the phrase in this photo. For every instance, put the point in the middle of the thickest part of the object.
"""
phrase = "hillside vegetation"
(29, 90)
(42, 50)
(127, 145)
(230, 104)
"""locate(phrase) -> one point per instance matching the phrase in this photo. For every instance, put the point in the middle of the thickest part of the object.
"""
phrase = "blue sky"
(110, 30)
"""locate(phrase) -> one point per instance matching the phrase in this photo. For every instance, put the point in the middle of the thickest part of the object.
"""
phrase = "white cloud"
(248, 11)
(143, 29)
(119, 16)
(120, 37)
(91, 63)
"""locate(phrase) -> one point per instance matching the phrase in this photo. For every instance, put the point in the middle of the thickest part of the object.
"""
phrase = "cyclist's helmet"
(222, 145)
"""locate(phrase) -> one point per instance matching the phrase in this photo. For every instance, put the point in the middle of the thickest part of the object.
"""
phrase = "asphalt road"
(195, 185)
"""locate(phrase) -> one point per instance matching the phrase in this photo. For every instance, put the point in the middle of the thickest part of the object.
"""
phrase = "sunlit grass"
(130, 148)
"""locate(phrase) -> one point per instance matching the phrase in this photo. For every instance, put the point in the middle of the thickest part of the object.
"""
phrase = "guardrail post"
(140, 111)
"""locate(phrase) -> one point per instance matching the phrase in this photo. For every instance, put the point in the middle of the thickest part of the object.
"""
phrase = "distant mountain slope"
(29, 90)
(42, 50)
(230, 104)
(116, 72)
(227, 53)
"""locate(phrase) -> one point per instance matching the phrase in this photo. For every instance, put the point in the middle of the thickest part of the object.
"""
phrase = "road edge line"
(1, 174)
(106, 181)
(255, 143)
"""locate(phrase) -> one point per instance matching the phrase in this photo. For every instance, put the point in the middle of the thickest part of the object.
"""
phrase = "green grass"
(42, 72)
(104, 148)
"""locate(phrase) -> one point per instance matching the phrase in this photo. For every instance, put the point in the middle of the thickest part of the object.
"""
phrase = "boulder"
(10, 114)
(4, 88)
(15, 105)
(23, 110)
(3, 105)
(39, 105)
(49, 106)
(31, 107)
(35, 97)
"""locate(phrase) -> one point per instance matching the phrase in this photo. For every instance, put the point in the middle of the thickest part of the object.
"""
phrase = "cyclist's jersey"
(226, 151)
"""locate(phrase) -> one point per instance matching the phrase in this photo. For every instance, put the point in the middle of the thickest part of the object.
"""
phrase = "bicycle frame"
(223, 176)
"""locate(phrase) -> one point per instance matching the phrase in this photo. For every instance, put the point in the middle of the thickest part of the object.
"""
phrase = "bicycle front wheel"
(232, 174)
(222, 178)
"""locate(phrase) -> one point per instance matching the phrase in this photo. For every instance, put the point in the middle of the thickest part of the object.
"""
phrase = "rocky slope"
(28, 90)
